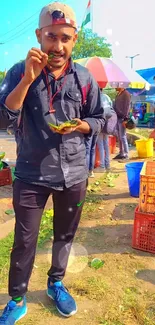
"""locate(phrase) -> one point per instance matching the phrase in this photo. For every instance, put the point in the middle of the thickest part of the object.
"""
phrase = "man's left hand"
(68, 130)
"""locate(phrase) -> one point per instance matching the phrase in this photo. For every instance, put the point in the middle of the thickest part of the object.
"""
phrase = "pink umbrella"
(108, 73)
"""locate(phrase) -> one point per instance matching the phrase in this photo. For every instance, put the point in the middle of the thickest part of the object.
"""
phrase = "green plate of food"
(67, 124)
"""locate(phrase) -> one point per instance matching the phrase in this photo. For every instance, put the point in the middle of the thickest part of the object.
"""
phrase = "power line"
(24, 32)
(1, 35)
(20, 32)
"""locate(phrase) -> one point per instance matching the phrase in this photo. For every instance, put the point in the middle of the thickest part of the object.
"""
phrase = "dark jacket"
(122, 104)
(46, 158)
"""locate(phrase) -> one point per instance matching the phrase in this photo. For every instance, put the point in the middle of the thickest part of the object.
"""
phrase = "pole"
(132, 59)
(91, 15)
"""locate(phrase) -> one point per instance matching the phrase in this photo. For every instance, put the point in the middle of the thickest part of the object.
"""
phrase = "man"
(103, 139)
(122, 109)
(48, 161)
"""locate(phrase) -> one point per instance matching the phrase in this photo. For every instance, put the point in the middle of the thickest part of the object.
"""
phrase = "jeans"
(122, 138)
(29, 201)
(90, 143)
(103, 145)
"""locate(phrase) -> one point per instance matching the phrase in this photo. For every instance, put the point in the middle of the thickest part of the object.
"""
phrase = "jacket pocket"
(78, 156)
(73, 95)
(72, 104)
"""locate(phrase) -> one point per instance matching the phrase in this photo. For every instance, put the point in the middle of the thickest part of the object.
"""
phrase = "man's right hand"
(35, 62)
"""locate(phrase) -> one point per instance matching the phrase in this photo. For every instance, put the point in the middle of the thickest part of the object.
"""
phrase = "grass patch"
(133, 308)
(6, 246)
(93, 198)
(94, 288)
(46, 228)
(137, 307)
(94, 190)
(45, 233)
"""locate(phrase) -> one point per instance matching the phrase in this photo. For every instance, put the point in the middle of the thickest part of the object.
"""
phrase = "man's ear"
(75, 38)
(38, 34)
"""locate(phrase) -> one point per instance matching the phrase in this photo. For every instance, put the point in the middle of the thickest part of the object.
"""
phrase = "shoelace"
(6, 312)
(60, 293)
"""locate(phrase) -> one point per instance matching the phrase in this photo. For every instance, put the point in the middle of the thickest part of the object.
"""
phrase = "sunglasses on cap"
(59, 18)
(57, 14)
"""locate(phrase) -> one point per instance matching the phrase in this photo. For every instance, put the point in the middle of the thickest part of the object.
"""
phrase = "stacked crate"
(5, 175)
(144, 223)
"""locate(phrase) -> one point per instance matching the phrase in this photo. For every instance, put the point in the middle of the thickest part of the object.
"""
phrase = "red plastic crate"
(5, 176)
(147, 188)
(143, 237)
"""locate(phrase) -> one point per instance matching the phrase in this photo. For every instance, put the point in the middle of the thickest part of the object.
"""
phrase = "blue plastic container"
(133, 174)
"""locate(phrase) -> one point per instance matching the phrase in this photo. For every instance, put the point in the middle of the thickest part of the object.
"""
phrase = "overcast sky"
(130, 26)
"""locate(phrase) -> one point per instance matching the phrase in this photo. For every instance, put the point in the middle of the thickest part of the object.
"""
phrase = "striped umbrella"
(108, 74)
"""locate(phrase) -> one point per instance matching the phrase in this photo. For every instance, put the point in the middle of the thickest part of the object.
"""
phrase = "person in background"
(90, 143)
(103, 139)
(122, 109)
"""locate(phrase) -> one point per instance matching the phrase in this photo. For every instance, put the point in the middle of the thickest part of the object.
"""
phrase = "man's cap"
(57, 13)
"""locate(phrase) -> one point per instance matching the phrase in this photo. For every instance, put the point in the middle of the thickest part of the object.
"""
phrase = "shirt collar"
(72, 66)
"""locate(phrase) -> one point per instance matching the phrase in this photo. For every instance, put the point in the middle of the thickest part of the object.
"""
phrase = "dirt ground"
(122, 292)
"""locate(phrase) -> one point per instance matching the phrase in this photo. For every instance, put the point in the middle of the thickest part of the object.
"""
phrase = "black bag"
(131, 123)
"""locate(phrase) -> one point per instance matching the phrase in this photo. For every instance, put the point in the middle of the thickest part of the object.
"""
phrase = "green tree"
(90, 44)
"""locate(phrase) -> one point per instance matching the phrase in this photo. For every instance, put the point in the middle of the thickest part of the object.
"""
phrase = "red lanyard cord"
(51, 98)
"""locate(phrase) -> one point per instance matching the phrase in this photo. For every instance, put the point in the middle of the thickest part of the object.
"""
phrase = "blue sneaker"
(13, 312)
(65, 303)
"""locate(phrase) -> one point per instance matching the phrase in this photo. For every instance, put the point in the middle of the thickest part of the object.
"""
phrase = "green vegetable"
(10, 212)
(96, 263)
(53, 126)
(66, 124)
(51, 55)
